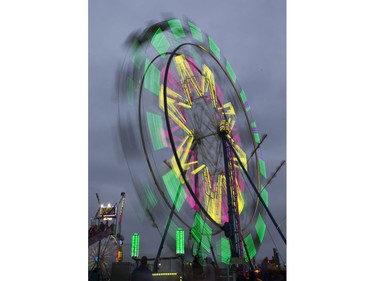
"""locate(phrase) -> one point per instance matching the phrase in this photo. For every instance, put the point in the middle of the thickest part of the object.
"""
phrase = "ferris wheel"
(190, 141)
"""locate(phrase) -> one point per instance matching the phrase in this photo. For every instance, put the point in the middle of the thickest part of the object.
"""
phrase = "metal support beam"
(156, 262)
(231, 207)
(255, 189)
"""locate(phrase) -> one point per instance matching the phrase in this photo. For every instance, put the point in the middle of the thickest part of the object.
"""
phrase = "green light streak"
(256, 135)
(250, 247)
(130, 89)
(231, 73)
(244, 100)
(139, 55)
(160, 42)
(173, 184)
(224, 250)
(149, 200)
(152, 78)
(155, 127)
(260, 228)
(176, 28)
(262, 167)
(196, 32)
(214, 48)
(201, 232)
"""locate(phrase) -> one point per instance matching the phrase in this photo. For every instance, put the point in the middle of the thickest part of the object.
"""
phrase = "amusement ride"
(192, 146)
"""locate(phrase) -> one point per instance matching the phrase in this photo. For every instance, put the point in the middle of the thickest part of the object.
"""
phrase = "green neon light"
(139, 55)
(264, 195)
(173, 184)
(262, 167)
(152, 78)
(130, 89)
(155, 127)
(245, 102)
(149, 200)
(256, 134)
(201, 232)
(214, 48)
(196, 32)
(135, 245)
(231, 72)
(180, 242)
(260, 228)
(176, 28)
(250, 246)
(160, 42)
(224, 250)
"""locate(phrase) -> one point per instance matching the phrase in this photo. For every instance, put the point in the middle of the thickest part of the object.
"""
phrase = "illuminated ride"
(191, 143)
(105, 246)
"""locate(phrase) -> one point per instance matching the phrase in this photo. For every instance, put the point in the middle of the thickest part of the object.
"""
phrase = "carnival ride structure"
(105, 239)
(192, 145)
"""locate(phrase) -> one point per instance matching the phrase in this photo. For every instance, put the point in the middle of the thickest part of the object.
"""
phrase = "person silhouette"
(142, 272)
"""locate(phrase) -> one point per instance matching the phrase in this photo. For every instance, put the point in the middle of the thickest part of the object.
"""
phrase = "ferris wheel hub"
(224, 128)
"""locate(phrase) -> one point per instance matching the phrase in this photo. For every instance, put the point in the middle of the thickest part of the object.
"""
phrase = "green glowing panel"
(139, 55)
(201, 232)
(214, 48)
(152, 78)
(262, 167)
(149, 200)
(250, 246)
(264, 195)
(155, 127)
(224, 251)
(176, 28)
(130, 89)
(260, 228)
(257, 138)
(196, 32)
(135, 245)
(245, 102)
(160, 42)
(173, 185)
(180, 241)
(255, 132)
(231, 72)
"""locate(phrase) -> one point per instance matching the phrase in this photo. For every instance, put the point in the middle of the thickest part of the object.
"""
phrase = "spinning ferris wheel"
(191, 143)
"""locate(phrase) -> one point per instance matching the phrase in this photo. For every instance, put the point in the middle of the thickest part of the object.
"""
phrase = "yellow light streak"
(212, 196)
(173, 111)
(197, 170)
(241, 154)
(189, 80)
(209, 82)
(186, 75)
(240, 199)
(182, 154)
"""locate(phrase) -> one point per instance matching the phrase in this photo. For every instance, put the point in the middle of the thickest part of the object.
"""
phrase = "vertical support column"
(234, 246)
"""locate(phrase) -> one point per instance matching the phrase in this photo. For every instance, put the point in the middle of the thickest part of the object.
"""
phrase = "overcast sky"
(250, 34)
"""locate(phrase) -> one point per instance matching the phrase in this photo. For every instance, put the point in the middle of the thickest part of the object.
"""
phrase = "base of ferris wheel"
(105, 270)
